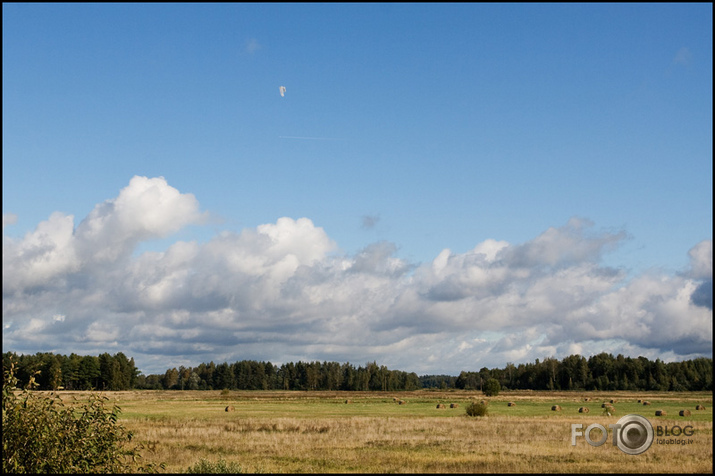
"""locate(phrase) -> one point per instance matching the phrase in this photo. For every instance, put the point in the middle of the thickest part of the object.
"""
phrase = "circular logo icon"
(635, 434)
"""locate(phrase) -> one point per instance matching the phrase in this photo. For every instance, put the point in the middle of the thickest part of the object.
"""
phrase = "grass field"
(319, 432)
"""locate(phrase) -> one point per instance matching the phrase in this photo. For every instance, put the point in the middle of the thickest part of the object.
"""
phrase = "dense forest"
(575, 372)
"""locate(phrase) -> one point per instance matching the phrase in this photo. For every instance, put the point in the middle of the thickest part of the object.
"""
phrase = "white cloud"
(279, 292)
(44, 256)
(8, 219)
(145, 209)
(55, 251)
(701, 260)
(563, 246)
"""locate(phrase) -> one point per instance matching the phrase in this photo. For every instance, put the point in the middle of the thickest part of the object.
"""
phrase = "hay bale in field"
(348, 401)
(640, 401)
(699, 407)
(441, 405)
(394, 399)
(453, 405)
(229, 408)
(583, 410)
(401, 402)
(684, 413)
(646, 402)
(613, 400)
(585, 399)
(604, 404)
(511, 404)
(556, 408)
(661, 413)
(484, 402)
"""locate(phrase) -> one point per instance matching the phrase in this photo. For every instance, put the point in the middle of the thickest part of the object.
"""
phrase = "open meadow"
(318, 432)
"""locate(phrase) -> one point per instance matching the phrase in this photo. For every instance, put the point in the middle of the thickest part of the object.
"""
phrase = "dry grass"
(316, 432)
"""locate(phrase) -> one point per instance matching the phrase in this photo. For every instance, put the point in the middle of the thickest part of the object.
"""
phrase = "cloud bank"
(281, 292)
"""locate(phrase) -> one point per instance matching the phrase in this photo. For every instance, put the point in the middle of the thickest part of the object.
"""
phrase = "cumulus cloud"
(8, 219)
(565, 246)
(703, 295)
(701, 260)
(42, 257)
(55, 251)
(145, 209)
(280, 292)
(701, 269)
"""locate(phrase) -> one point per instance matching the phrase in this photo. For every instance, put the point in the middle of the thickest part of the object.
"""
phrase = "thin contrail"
(309, 138)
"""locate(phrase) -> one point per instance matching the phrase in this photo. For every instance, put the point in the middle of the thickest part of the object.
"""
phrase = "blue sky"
(578, 133)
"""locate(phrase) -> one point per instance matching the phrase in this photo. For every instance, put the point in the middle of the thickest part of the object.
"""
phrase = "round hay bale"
(441, 405)
(454, 405)
(646, 402)
(661, 413)
(583, 410)
(229, 408)
(348, 401)
(556, 408)
(604, 404)
(585, 399)
(640, 401)
(401, 402)
(684, 413)
(700, 407)
(484, 402)
(511, 404)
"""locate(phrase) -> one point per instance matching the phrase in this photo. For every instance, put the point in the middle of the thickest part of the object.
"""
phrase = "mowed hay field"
(319, 432)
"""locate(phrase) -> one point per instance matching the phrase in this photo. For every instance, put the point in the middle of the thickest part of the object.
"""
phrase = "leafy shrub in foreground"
(477, 409)
(42, 435)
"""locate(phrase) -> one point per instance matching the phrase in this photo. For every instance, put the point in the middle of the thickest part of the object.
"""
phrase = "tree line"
(599, 372)
(253, 375)
(74, 372)
(575, 372)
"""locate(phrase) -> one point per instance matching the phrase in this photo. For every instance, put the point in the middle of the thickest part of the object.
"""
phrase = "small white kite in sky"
(282, 89)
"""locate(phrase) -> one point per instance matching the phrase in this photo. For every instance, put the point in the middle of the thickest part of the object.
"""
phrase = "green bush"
(42, 435)
(218, 467)
(477, 409)
(491, 387)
